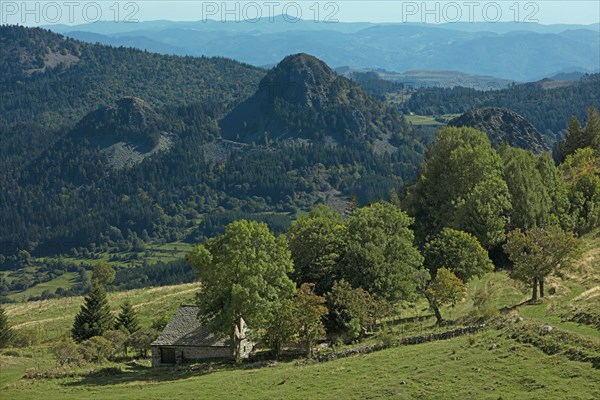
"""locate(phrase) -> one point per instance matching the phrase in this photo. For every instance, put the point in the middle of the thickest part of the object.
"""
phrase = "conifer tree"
(579, 137)
(127, 318)
(6, 332)
(592, 128)
(95, 316)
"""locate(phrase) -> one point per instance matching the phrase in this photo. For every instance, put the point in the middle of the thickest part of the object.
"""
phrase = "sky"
(43, 12)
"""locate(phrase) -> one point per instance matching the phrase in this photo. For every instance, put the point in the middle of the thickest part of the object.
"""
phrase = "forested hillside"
(50, 82)
(135, 150)
(547, 104)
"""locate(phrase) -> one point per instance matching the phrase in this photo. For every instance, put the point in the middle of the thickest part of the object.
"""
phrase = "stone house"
(186, 339)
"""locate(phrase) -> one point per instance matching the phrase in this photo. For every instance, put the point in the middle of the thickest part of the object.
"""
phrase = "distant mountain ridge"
(478, 48)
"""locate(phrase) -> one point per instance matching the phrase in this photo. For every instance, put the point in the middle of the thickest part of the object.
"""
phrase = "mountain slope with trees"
(154, 165)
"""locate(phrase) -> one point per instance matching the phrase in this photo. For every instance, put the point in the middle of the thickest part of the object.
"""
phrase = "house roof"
(185, 329)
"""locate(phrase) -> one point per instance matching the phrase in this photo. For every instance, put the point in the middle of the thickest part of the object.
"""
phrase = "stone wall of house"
(183, 354)
(155, 356)
(199, 353)
(246, 347)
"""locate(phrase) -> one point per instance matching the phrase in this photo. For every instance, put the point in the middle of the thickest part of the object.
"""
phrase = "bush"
(96, 349)
(388, 340)
(11, 353)
(118, 341)
(483, 307)
(26, 338)
(67, 353)
(140, 341)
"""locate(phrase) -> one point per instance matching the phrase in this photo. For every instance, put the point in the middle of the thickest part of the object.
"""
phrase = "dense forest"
(60, 191)
(49, 83)
(546, 104)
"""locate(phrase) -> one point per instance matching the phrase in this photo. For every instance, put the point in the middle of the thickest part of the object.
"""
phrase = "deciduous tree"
(103, 274)
(281, 327)
(458, 251)
(317, 244)
(461, 186)
(354, 311)
(380, 256)
(242, 274)
(310, 310)
(445, 288)
(531, 203)
(539, 252)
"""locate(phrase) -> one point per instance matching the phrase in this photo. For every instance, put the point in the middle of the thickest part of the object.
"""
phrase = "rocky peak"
(128, 116)
(299, 79)
(127, 131)
(503, 125)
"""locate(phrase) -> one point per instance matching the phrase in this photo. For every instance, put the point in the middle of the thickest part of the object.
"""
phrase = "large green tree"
(461, 186)
(458, 251)
(581, 171)
(556, 188)
(243, 274)
(452, 258)
(531, 203)
(317, 243)
(380, 255)
(281, 326)
(94, 317)
(539, 252)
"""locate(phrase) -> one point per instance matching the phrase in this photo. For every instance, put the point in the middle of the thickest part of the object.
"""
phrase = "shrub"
(140, 341)
(66, 353)
(96, 349)
(118, 340)
(26, 338)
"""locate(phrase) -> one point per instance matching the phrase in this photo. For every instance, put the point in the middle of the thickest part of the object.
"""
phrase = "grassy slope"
(458, 368)
(51, 319)
(452, 369)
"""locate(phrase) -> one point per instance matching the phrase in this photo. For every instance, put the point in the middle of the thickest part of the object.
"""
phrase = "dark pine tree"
(127, 318)
(6, 331)
(95, 316)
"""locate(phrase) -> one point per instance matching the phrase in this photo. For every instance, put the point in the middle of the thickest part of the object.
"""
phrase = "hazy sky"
(81, 11)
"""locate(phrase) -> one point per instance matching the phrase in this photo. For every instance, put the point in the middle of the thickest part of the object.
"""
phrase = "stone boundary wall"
(404, 341)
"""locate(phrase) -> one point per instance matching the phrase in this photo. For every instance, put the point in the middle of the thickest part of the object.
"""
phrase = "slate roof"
(185, 329)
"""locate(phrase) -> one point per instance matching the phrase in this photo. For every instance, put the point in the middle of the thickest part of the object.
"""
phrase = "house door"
(167, 355)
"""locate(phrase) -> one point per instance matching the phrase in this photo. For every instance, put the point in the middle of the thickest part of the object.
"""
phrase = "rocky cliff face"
(127, 131)
(503, 125)
(126, 117)
(302, 98)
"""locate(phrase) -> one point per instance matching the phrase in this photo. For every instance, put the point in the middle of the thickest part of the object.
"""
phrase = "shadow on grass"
(133, 372)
